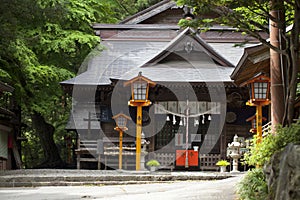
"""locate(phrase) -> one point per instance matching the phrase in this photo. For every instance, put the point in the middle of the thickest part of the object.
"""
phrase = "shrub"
(261, 153)
(222, 163)
(253, 186)
(153, 163)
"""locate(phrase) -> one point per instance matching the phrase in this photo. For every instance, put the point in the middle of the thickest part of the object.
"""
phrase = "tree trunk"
(45, 133)
(277, 26)
(294, 54)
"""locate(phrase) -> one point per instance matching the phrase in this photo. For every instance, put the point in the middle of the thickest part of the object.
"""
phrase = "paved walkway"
(115, 185)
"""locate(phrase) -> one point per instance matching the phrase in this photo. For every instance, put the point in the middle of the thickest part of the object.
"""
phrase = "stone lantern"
(234, 153)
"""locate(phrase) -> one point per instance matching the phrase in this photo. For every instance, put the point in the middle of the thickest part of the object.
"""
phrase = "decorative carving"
(188, 47)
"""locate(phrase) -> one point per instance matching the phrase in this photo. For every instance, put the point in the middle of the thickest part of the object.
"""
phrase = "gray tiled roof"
(197, 73)
(123, 58)
(229, 51)
(118, 58)
(149, 12)
(187, 58)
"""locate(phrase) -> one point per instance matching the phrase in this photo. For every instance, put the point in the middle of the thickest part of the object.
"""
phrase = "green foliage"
(222, 163)
(153, 163)
(124, 8)
(189, 23)
(42, 43)
(261, 153)
(143, 4)
(32, 153)
(253, 186)
(249, 16)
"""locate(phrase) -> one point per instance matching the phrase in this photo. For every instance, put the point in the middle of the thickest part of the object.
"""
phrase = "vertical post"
(187, 135)
(138, 137)
(120, 148)
(89, 125)
(259, 123)
(78, 155)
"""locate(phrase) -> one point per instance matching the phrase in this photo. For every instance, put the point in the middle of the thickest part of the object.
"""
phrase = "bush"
(222, 163)
(253, 186)
(260, 154)
(153, 163)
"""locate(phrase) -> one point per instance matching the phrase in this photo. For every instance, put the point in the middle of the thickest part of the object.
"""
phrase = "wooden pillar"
(259, 123)
(120, 149)
(138, 137)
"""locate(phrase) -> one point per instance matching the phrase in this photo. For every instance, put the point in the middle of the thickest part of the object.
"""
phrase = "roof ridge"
(128, 19)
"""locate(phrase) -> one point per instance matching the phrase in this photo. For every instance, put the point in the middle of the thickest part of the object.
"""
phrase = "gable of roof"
(187, 58)
(188, 40)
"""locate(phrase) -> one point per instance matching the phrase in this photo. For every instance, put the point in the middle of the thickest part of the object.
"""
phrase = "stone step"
(63, 183)
(117, 178)
(35, 178)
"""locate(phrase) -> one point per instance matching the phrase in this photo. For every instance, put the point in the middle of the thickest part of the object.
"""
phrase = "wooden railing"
(106, 149)
(87, 152)
(266, 129)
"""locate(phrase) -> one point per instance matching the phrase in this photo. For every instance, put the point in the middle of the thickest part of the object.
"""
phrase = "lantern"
(259, 89)
(121, 121)
(140, 88)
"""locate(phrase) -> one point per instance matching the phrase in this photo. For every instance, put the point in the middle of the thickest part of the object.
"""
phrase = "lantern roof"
(121, 115)
(260, 77)
(139, 78)
(253, 117)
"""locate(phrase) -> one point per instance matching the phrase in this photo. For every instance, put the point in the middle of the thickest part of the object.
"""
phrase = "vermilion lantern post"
(259, 88)
(139, 93)
(121, 122)
(252, 119)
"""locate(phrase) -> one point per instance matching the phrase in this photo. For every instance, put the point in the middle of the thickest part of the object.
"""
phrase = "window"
(140, 90)
(260, 90)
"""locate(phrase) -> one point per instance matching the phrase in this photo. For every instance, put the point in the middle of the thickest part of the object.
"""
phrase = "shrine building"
(195, 105)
